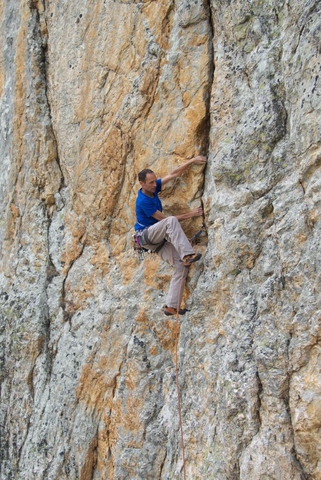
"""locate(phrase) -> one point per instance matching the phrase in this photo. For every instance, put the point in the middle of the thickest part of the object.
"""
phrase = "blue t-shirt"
(147, 206)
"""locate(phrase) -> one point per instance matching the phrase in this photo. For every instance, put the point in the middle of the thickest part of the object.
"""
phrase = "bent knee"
(171, 219)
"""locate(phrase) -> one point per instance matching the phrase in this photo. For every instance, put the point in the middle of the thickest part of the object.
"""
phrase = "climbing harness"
(140, 239)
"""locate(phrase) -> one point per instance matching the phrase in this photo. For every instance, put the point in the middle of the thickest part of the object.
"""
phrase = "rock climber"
(164, 234)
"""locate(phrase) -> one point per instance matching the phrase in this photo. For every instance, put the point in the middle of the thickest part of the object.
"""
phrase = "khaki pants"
(173, 251)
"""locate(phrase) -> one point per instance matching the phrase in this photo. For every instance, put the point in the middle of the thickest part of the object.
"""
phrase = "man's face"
(149, 186)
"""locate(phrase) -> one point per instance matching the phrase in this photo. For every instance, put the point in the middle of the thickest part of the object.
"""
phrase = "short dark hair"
(143, 173)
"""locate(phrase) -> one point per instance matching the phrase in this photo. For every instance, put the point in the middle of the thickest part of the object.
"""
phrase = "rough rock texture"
(91, 92)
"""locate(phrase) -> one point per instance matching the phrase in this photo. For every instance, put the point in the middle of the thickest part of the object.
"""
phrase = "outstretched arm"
(196, 212)
(200, 160)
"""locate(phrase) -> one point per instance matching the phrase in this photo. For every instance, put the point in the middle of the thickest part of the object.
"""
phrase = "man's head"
(143, 173)
(147, 179)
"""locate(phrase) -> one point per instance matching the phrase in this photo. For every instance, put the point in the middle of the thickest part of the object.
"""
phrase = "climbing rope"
(177, 374)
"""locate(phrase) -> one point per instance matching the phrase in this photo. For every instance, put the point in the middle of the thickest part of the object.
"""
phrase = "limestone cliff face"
(91, 93)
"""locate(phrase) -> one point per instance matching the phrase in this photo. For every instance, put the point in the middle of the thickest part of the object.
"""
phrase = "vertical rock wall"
(91, 93)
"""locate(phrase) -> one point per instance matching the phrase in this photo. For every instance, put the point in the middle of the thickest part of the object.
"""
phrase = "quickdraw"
(140, 239)
(138, 247)
(194, 238)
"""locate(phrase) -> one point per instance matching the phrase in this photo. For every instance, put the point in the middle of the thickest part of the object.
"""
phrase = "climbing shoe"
(173, 311)
(189, 259)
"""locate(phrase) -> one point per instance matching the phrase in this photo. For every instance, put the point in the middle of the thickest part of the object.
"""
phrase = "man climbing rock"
(164, 235)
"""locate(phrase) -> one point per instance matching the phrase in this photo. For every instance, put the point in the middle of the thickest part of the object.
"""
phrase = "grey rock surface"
(90, 368)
